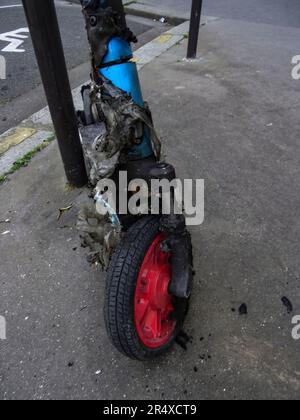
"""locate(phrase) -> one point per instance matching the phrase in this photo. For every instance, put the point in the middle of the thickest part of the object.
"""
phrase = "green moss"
(23, 161)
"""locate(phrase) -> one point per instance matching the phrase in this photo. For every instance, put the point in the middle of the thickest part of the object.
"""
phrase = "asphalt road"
(19, 93)
(274, 12)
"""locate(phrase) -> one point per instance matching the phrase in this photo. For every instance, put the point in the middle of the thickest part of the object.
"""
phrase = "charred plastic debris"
(113, 128)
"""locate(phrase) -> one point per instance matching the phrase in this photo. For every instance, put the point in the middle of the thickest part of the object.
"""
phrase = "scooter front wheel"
(142, 318)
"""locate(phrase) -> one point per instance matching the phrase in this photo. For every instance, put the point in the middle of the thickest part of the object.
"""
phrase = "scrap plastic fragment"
(123, 123)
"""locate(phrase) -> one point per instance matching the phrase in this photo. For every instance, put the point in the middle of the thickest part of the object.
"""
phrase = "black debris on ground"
(243, 309)
(288, 304)
(182, 340)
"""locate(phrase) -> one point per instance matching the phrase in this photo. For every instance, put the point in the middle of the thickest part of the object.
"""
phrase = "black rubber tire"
(120, 291)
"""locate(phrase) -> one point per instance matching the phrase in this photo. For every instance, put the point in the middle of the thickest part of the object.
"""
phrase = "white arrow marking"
(15, 39)
(11, 6)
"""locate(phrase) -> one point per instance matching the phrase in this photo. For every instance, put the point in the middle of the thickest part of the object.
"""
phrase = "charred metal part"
(101, 234)
(98, 165)
(106, 145)
(182, 340)
(148, 169)
(161, 171)
(178, 239)
(102, 24)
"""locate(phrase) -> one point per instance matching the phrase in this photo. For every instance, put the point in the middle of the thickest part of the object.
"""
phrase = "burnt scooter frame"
(103, 23)
(117, 134)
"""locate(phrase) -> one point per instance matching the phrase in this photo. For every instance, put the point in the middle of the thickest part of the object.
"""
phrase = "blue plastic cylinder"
(125, 76)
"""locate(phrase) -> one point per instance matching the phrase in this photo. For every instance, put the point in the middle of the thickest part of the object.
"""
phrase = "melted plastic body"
(125, 77)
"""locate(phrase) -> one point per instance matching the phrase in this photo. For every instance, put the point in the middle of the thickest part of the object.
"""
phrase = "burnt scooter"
(148, 258)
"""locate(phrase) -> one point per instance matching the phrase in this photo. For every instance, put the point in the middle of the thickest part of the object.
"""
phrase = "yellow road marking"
(18, 136)
(163, 38)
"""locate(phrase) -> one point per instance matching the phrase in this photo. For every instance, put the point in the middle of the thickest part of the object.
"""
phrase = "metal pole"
(44, 29)
(194, 28)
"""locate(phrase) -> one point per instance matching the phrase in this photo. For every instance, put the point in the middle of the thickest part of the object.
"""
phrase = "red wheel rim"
(153, 304)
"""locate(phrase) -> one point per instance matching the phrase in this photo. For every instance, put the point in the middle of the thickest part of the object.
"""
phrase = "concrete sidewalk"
(175, 11)
(232, 118)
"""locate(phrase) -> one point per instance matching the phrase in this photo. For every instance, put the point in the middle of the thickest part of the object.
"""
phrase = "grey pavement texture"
(274, 12)
(232, 118)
